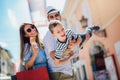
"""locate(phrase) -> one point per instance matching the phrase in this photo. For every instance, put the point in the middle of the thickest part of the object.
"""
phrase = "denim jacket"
(40, 60)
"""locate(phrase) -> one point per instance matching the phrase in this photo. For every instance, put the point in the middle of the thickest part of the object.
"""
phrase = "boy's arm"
(72, 45)
(80, 41)
(87, 37)
(88, 34)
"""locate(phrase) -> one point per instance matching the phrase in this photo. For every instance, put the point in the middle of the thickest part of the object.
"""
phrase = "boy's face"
(59, 32)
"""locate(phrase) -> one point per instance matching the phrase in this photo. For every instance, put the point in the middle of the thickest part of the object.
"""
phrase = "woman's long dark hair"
(24, 39)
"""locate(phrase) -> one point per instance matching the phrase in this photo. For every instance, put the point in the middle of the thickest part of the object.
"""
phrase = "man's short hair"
(51, 9)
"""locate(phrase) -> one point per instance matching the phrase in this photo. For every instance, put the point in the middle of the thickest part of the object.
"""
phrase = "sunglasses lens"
(28, 30)
(32, 27)
(51, 17)
(56, 15)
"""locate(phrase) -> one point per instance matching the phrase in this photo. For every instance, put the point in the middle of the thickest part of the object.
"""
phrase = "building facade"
(6, 66)
(100, 56)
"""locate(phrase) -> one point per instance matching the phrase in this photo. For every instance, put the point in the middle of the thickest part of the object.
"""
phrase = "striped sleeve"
(58, 54)
(61, 47)
(71, 34)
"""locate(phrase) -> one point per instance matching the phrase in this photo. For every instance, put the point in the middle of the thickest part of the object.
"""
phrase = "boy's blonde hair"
(53, 24)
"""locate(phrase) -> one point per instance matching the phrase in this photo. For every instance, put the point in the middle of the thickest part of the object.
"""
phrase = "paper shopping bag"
(36, 74)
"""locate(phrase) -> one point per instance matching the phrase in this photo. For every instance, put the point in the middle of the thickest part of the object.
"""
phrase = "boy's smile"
(63, 35)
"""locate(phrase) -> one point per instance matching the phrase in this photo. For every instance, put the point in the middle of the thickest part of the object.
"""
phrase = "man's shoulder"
(47, 35)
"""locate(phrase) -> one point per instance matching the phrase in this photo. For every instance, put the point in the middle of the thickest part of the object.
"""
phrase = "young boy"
(63, 36)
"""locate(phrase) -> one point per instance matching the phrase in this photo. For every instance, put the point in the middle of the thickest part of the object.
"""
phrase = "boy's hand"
(87, 36)
(71, 44)
(74, 43)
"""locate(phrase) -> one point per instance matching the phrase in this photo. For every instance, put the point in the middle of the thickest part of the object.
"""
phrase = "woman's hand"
(32, 40)
(34, 45)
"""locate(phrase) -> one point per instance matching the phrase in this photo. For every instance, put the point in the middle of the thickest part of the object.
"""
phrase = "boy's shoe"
(96, 28)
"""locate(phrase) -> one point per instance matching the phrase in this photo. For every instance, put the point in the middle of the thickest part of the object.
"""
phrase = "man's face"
(54, 16)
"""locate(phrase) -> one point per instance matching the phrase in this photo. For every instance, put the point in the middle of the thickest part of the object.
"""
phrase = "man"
(64, 70)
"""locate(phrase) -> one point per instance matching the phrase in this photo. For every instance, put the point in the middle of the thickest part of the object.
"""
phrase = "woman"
(32, 53)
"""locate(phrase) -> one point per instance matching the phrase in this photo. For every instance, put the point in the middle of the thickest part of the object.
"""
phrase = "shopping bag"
(36, 74)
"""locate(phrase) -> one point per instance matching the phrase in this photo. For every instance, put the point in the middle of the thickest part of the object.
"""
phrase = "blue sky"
(12, 14)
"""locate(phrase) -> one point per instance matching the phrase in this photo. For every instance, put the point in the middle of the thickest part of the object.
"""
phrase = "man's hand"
(52, 54)
(67, 51)
(59, 62)
(72, 55)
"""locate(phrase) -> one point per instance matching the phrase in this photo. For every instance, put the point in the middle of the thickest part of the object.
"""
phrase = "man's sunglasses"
(56, 15)
(30, 29)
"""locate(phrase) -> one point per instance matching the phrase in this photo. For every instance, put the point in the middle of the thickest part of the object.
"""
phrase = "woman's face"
(30, 31)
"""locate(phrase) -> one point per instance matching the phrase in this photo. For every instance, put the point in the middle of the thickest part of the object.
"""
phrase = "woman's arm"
(30, 63)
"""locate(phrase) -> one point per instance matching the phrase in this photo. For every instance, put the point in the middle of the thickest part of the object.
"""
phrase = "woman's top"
(40, 60)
